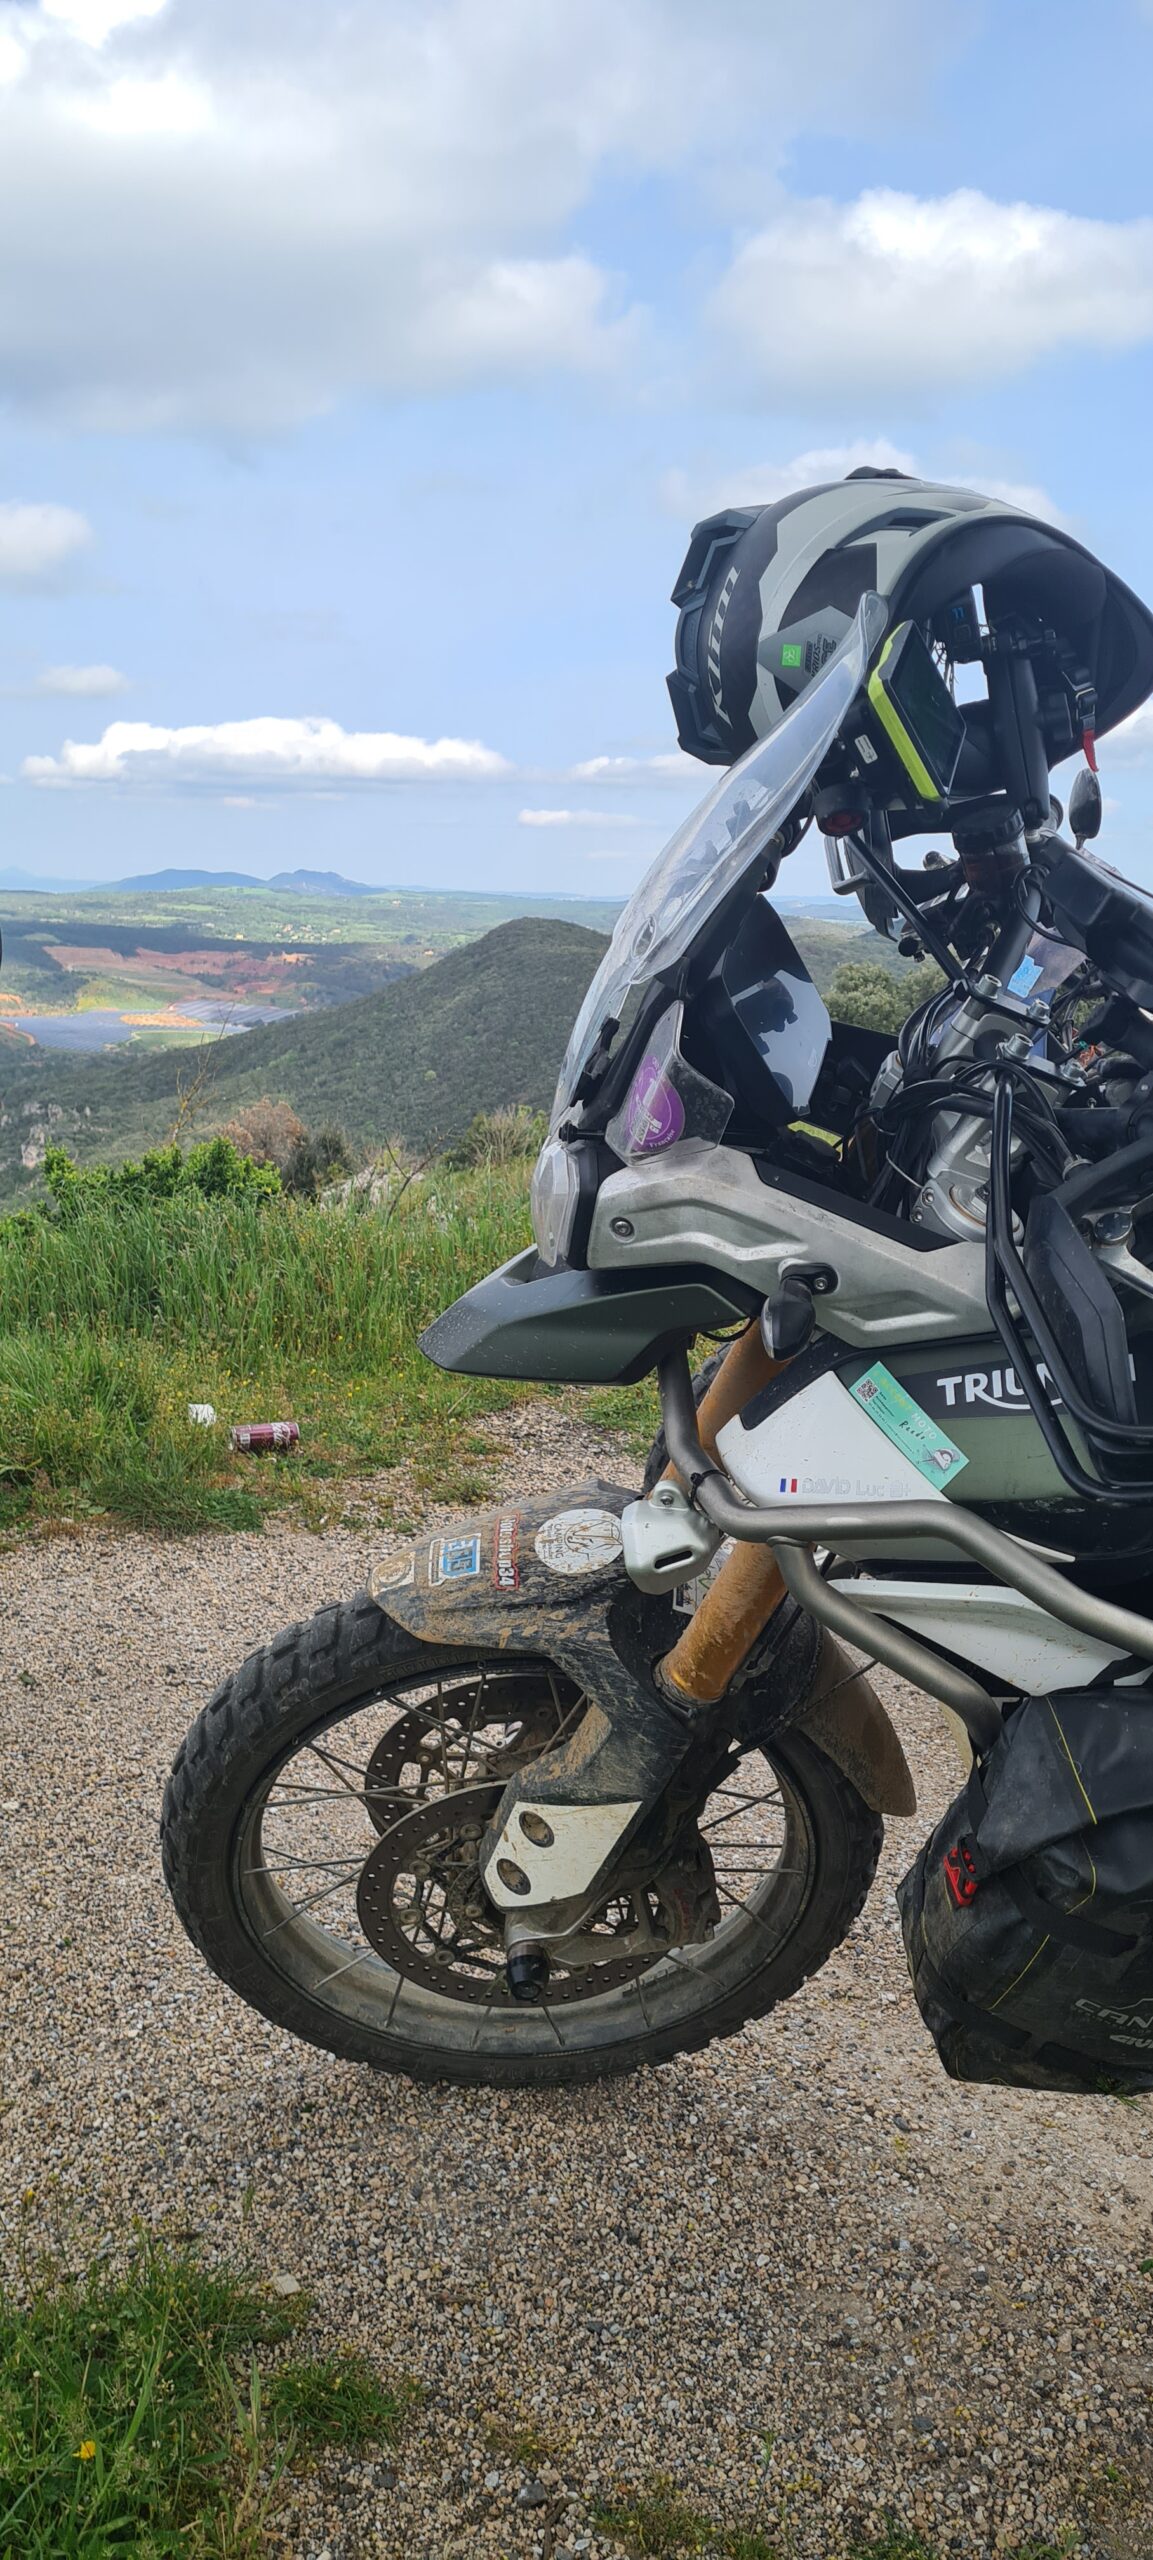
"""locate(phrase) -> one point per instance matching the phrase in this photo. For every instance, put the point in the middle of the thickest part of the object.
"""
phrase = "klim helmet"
(766, 594)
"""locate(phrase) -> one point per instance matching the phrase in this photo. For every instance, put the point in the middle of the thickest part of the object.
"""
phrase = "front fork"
(749, 1587)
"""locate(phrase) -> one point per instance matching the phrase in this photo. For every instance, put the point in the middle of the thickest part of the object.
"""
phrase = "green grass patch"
(139, 2413)
(656, 2523)
(114, 1320)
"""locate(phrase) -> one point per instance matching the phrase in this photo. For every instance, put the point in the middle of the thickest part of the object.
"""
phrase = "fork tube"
(741, 1598)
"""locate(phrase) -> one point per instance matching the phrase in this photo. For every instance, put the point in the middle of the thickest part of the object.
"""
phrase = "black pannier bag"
(1028, 1916)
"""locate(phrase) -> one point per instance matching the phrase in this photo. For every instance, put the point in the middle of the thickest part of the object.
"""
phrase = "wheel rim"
(328, 1844)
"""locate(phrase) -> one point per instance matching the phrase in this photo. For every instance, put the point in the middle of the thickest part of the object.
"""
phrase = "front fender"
(545, 1575)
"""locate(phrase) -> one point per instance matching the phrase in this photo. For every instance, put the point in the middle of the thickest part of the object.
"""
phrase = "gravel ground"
(802, 2273)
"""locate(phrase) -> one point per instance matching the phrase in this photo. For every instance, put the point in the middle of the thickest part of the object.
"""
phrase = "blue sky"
(362, 371)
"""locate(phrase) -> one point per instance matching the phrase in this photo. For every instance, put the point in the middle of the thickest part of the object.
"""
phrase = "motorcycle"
(592, 1778)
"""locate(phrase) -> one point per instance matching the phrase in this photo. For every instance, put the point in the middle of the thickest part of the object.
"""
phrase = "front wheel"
(321, 1832)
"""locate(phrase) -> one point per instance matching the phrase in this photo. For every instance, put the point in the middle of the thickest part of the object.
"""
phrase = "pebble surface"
(802, 2273)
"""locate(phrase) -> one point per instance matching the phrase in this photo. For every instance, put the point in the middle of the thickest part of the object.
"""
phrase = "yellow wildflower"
(85, 2452)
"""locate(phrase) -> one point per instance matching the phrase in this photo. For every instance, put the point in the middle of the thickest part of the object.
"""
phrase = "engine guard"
(546, 1576)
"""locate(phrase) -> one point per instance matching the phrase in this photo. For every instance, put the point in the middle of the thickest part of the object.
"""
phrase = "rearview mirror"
(1086, 807)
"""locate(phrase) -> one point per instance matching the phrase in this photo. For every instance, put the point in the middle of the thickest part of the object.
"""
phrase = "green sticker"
(908, 1426)
(792, 654)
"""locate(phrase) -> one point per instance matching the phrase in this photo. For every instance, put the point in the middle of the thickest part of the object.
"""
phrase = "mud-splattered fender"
(545, 1576)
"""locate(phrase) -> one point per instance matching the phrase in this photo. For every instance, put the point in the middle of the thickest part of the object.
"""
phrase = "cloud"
(38, 542)
(1132, 743)
(691, 495)
(88, 682)
(902, 294)
(268, 751)
(227, 219)
(95, 20)
(671, 768)
(573, 818)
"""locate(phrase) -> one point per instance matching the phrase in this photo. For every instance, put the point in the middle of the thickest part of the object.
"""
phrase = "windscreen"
(722, 839)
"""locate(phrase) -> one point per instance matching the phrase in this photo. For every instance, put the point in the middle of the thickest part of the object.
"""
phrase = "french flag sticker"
(788, 1484)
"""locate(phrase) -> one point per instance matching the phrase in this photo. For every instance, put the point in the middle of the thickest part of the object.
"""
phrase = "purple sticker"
(654, 1112)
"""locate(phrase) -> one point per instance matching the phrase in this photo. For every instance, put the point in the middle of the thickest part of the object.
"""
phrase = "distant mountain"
(316, 884)
(484, 1026)
(323, 884)
(162, 880)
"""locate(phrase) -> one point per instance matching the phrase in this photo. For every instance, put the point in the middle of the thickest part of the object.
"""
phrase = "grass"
(140, 2415)
(655, 2521)
(113, 1322)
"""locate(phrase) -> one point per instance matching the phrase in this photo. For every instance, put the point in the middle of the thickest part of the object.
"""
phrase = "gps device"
(917, 712)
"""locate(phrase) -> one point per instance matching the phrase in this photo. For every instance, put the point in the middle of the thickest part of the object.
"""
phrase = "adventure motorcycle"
(589, 1779)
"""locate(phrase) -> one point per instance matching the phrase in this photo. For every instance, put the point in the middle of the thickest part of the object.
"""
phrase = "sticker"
(792, 655)
(654, 1112)
(1025, 976)
(688, 1596)
(454, 1560)
(913, 1431)
(506, 1552)
(579, 1541)
(399, 1575)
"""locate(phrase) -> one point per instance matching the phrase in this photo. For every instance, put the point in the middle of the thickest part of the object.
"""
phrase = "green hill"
(484, 1026)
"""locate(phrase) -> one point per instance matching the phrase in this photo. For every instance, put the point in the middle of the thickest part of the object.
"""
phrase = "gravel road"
(802, 2273)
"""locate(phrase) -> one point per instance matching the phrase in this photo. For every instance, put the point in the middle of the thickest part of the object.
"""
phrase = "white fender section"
(582, 1837)
(821, 1447)
(986, 1623)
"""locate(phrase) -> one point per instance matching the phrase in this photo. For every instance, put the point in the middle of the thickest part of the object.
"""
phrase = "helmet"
(766, 594)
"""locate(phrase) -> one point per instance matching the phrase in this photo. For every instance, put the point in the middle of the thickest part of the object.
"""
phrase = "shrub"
(866, 993)
(499, 1137)
(215, 1170)
(307, 1160)
(268, 1131)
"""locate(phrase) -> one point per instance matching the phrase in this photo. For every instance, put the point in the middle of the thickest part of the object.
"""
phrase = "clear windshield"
(721, 840)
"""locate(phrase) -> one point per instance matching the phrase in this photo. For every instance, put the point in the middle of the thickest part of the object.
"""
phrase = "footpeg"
(666, 1542)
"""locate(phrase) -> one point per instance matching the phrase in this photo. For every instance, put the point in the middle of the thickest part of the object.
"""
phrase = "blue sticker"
(1025, 976)
(454, 1560)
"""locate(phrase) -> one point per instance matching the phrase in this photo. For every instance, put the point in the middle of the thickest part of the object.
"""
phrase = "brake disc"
(435, 1743)
(422, 1906)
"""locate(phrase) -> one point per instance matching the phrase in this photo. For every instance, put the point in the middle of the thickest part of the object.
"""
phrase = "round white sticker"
(579, 1541)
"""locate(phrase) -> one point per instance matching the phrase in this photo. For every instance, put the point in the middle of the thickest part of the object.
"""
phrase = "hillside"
(483, 1026)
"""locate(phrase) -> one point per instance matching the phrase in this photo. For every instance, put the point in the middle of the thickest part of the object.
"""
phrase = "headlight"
(553, 1196)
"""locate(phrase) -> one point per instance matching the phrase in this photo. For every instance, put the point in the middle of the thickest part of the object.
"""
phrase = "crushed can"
(264, 1435)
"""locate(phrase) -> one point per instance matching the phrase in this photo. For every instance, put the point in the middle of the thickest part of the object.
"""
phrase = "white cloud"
(908, 295)
(95, 20)
(1132, 743)
(89, 682)
(37, 542)
(574, 818)
(228, 218)
(691, 495)
(672, 768)
(268, 751)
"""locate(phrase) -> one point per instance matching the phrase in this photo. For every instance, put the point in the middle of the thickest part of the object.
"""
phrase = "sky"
(364, 367)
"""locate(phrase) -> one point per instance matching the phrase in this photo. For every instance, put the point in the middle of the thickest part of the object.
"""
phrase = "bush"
(866, 993)
(307, 1160)
(500, 1137)
(214, 1170)
(268, 1131)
